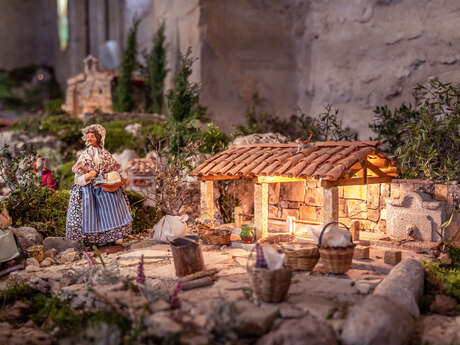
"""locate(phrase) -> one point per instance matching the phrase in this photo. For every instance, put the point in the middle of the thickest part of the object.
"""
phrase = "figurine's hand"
(92, 174)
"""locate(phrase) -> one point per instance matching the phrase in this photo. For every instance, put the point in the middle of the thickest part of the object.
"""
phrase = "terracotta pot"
(246, 239)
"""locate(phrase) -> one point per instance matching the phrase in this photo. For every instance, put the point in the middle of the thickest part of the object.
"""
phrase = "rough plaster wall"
(28, 33)
(247, 48)
(353, 54)
(140, 9)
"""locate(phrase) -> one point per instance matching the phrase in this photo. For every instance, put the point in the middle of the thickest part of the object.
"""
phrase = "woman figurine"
(44, 173)
(95, 215)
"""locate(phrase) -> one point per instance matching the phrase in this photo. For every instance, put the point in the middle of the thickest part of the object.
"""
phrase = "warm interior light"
(291, 224)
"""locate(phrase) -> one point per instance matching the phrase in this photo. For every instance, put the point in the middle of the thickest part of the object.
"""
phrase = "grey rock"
(51, 253)
(27, 236)
(59, 243)
(68, 256)
(260, 138)
(437, 329)
(253, 320)
(32, 262)
(377, 321)
(161, 325)
(5, 219)
(305, 331)
(291, 312)
(47, 262)
(404, 285)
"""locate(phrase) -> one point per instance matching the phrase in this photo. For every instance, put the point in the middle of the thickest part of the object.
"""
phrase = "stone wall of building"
(366, 204)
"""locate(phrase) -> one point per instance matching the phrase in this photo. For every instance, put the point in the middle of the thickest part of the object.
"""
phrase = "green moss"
(53, 107)
(64, 127)
(30, 125)
(15, 292)
(65, 175)
(443, 278)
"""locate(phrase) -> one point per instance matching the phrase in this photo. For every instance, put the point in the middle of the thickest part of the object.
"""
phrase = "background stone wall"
(300, 54)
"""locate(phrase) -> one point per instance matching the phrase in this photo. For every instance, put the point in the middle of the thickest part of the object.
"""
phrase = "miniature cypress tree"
(184, 108)
(156, 73)
(124, 100)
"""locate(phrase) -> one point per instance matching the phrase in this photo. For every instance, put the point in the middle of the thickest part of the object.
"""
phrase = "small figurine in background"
(45, 174)
(96, 215)
(301, 144)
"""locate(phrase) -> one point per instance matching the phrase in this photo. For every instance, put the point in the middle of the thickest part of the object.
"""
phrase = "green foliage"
(443, 279)
(30, 125)
(226, 201)
(325, 126)
(213, 140)
(389, 125)
(14, 292)
(156, 72)
(65, 176)
(28, 204)
(65, 127)
(124, 101)
(27, 88)
(246, 231)
(53, 107)
(116, 137)
(431, 145)
(144, 217)
(184, 109)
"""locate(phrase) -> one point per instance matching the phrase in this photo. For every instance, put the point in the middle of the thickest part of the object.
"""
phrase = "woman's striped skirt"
(97, 216)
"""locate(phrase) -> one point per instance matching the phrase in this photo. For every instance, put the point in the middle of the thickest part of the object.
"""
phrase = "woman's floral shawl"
(97, 159)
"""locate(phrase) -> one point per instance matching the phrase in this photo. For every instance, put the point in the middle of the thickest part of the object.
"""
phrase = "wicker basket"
(270, 286)
(301, 258)
(219, 237)
(336, 260)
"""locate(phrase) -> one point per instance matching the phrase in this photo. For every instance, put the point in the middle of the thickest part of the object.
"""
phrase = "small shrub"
(325, 126)
(144, 217)
(64, 127)
(30, 125)
(184, 109)
(65, 176)
(443, 279)
(53, 107)
(117, 138)
(214, 140)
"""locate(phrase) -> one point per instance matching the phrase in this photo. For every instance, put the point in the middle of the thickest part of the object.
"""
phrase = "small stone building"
(95, 90)
(142, 174)
(322, 182)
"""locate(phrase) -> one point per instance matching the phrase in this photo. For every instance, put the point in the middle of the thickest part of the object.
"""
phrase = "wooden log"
(355, 227)
(188, 257)
(193, 284)
(200, 274)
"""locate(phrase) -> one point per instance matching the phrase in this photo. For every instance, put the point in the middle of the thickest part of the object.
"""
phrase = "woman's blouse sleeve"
(80, 180)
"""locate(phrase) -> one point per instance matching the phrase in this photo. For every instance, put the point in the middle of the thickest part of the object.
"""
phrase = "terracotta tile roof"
(141, 166)
(328, 160)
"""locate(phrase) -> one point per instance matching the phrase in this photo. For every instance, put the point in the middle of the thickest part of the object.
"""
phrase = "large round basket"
(301, 257)
(270, 286)
(111, 187)
(336, 260)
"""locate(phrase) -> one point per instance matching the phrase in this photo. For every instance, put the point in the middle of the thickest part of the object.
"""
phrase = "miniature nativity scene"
(127, 217)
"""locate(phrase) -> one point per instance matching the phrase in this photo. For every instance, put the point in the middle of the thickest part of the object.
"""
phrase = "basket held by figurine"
(111, 183)
(270, 286)
(336, 260)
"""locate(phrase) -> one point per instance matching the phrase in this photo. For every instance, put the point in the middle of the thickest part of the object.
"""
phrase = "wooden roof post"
(207, 200)
(330, 204)
(261, 209)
